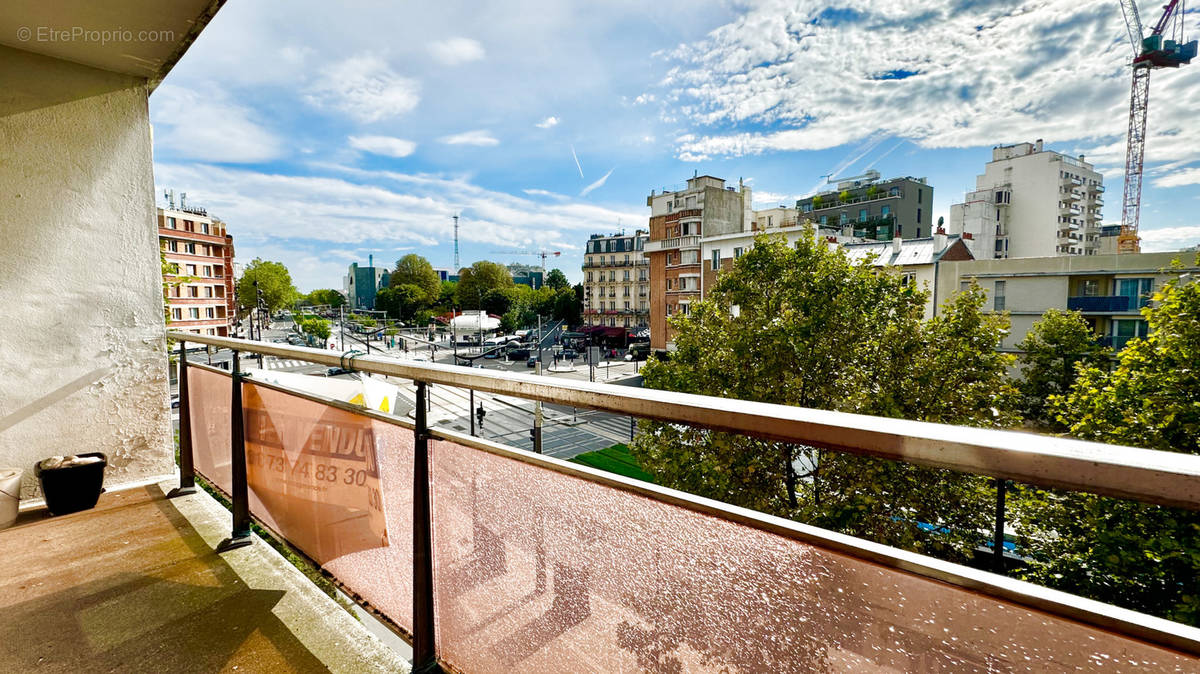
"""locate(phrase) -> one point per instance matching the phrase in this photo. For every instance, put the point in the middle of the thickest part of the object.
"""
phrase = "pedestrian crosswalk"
(276, 364)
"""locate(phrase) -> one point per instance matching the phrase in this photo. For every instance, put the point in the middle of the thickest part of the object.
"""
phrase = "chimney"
(1037, 145)
(896, 244)
(968, 236)
(1081, 159)
(939, 240)
(371, 261)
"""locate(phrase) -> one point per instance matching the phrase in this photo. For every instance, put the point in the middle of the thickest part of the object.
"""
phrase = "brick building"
(200, 296)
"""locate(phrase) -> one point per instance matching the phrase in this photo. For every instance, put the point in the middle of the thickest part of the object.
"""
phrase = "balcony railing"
(837, 203)
(1099, 303)
(677, 243)
(521, 562)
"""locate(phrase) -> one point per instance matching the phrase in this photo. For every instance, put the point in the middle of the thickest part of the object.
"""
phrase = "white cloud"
(599, 183)
(206, 126)
(1169, 238)
(380, 211)
(534, 192)
(364, 87)
(547, 123)
(456, 51)
(1189, 176)
(791, 75)
(478, 137)
(384, 145)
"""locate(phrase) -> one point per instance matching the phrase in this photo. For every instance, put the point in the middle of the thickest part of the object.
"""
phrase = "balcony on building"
(1101, 304)
(675, 243)
(483, 556)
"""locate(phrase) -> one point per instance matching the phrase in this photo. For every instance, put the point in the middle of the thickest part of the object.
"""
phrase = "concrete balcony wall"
(83, 345)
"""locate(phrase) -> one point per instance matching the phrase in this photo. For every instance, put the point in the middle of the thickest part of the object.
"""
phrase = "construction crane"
(1163, 47)
(540, 253)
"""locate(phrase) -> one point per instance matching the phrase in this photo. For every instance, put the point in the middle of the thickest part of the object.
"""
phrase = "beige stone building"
(616, 280)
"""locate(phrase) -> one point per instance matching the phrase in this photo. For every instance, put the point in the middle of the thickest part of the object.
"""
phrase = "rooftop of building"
(925, 250)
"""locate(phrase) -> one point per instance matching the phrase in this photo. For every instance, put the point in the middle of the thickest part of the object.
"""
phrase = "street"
(566, 432)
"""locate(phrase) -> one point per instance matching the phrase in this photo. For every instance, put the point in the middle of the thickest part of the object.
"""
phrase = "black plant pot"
(69, 489)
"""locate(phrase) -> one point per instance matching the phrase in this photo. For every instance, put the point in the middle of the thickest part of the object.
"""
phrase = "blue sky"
(323, 133)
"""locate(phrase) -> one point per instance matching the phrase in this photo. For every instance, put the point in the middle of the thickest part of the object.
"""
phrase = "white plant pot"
(10, 496)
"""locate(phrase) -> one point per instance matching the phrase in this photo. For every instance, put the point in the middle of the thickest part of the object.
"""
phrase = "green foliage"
(414, 270)
(1139, 556)
(556, 280)
(475, 281)
(497, 301)
(872, 191)
(273, 280)
(324, 296)
(402, 301)
(844, 196)
(814, 329)
(818, 201)
(1058, 342)
(315, 326)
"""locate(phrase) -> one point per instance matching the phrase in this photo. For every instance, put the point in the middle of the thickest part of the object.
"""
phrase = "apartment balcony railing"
(677, 243)
(495, 559)
(838, 203)
(1100, 303)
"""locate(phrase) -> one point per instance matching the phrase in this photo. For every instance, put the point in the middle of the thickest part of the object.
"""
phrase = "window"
(193, 291)
(842, 219)
(918, 216)
(716, 258)
(612, 259)
(194, 312)
(204, 227)
(612, 275)
(191, 270)
(208, 291)
(207, 270)
(171, 223)
(174, 291)
(1137, 289)
(919, 195)
(885, 211)
(627, 290)
(626, 259)
(589, 277)
(895, 191)
(189, 248)
(737, 252)
(998, 296)
(908, 278)
(173, 246)
(627, 306)
(210, 313)
(964, 286)
(627, 275)
(824, 219)
(177, 314)
(669, 282)
(689, 257)
(862, 215)
(1089, 287)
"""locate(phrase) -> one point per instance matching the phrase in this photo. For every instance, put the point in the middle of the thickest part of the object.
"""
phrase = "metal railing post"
(187, 467)
(424, 637)
(239, 490)
(998, 540)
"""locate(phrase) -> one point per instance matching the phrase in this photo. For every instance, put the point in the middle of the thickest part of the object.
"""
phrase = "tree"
(818, 201)
(1057, 344)
(567, 306)
(273, 280)
(325, 296)
(315, 326)
(496, 301)
(476, 280)
(556, 280)
(412, 269)
(816, 330)
(402, 301)
(844, 196)
(1139, 556)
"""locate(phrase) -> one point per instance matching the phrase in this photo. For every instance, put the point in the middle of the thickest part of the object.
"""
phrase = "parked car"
(518, 354)
(640, 350)
(335, 371)
(532, 362)
(175, 402)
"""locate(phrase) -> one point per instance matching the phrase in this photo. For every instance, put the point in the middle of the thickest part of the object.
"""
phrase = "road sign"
(593, 354)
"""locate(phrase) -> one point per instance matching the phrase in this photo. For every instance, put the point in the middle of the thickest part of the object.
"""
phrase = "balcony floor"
(135, 586)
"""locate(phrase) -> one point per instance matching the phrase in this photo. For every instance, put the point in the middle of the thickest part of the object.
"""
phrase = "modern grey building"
(361, 284)
(867, 207)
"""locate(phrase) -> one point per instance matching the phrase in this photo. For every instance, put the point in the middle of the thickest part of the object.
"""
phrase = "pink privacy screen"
(537, 571)
(336, 485)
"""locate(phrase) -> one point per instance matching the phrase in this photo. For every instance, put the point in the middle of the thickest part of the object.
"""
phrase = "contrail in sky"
(598, 183)
(576, 161)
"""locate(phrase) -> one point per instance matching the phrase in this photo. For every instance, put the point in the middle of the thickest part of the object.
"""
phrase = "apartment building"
(678, 220)
(616, 280)
(1110, 290)
(200, 295)
(1032, 202)
(361, 283)
(870, 208)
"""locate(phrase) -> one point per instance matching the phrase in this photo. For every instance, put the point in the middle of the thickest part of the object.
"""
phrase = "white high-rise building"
(1031, 202)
